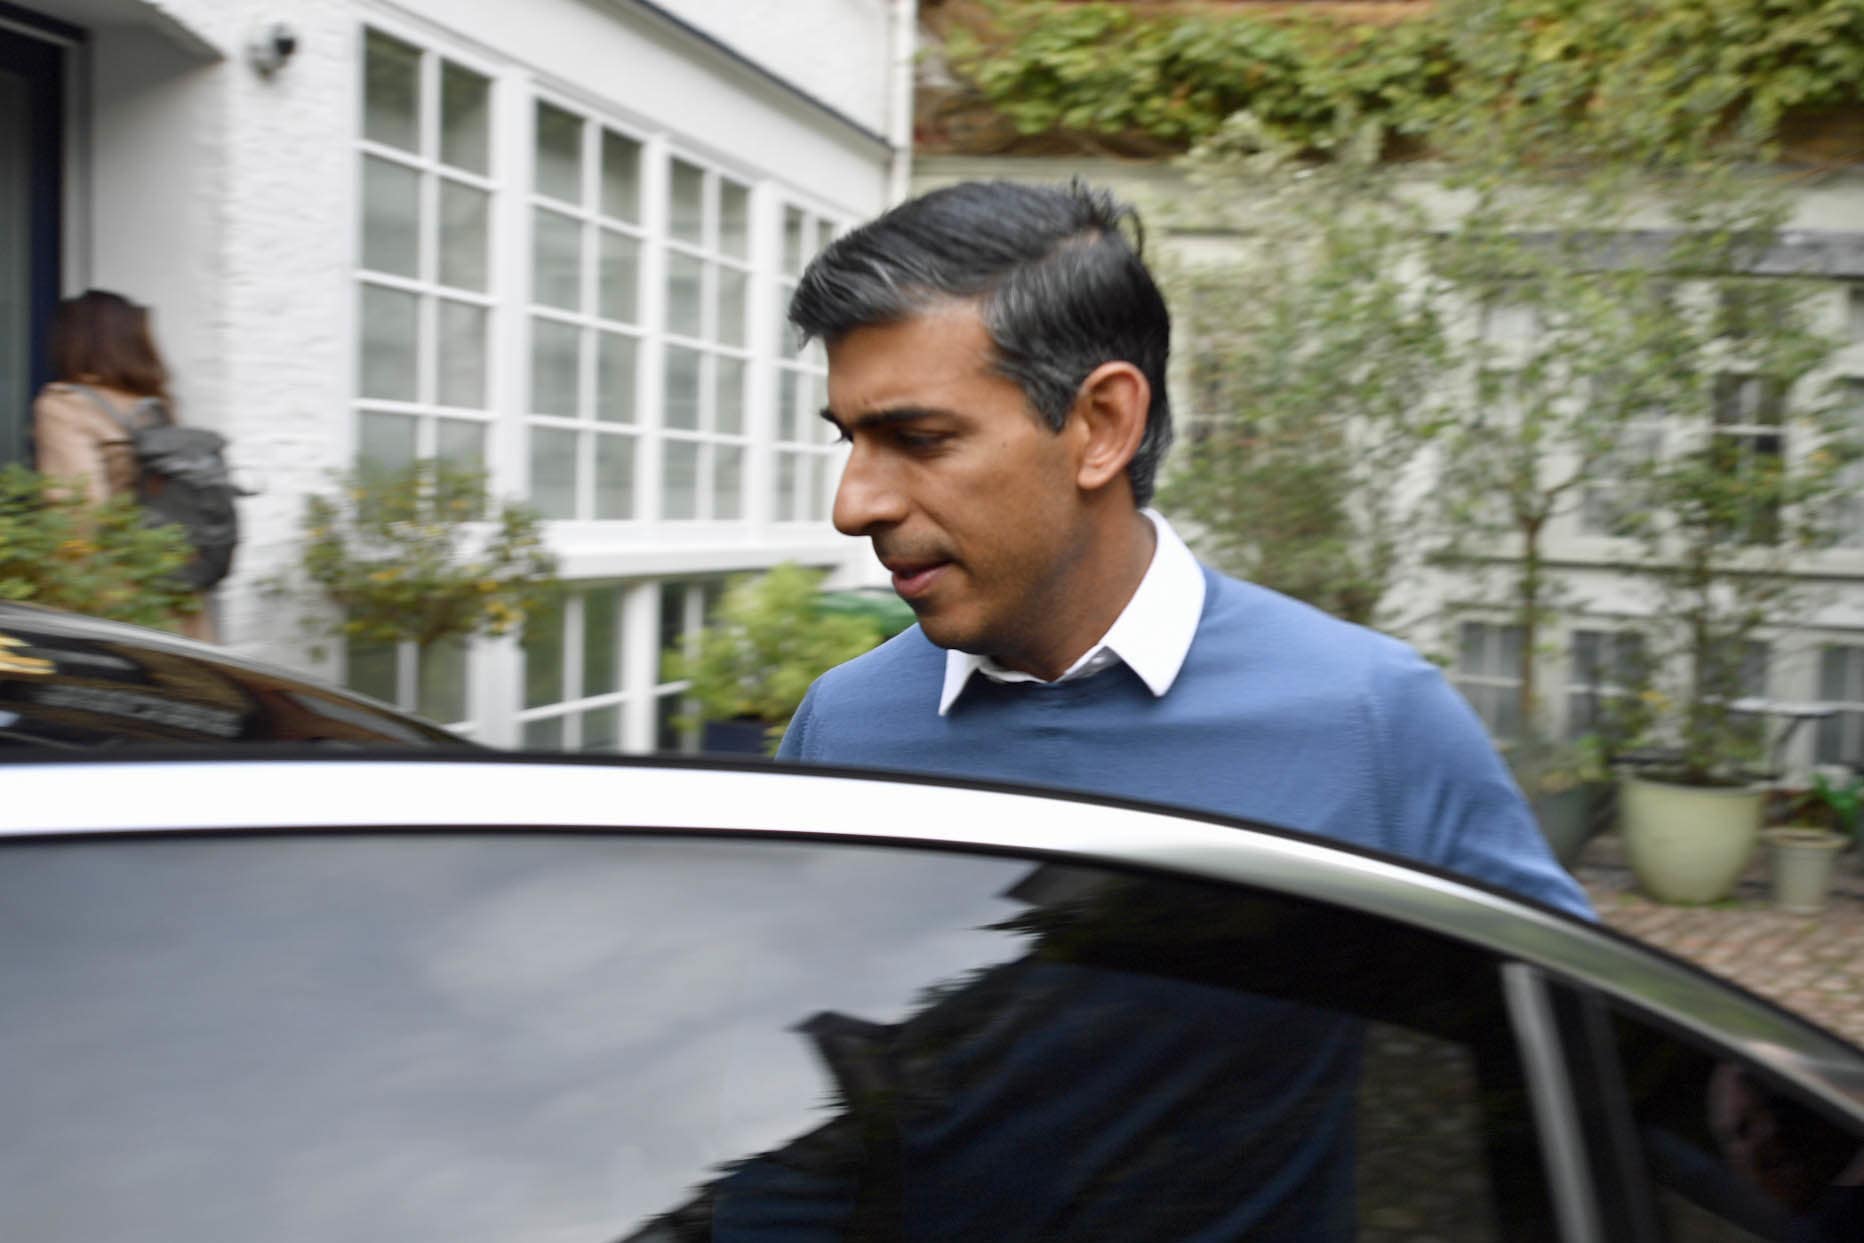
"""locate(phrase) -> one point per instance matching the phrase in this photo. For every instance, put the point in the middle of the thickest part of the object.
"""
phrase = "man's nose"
(868, 495)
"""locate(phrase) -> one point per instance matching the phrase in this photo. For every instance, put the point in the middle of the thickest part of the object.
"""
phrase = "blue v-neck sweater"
(1282, 714)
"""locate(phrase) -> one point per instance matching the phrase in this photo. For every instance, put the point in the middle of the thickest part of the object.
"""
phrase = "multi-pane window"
(1609, 504)
(573, 673)
(584, 318)
(424, 281)
(706, 363)
(1607, 667)
(1488, 673)
(806, 451)
(1747, 443)
(1841, 686)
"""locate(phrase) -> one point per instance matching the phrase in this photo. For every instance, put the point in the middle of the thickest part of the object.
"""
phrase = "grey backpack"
(182, 478)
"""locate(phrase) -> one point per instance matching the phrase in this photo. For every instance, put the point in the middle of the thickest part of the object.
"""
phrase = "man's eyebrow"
(885, 418)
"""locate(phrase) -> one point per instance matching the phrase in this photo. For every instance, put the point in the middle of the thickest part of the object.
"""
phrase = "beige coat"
(77, 441)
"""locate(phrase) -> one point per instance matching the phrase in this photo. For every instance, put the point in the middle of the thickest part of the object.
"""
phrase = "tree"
(418, 556)
(59, 550)
(1315, 358)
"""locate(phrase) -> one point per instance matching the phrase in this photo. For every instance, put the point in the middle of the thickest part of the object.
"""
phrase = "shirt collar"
(1152, 634)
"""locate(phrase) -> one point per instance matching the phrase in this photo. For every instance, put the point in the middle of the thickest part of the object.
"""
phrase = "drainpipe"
(904, 29)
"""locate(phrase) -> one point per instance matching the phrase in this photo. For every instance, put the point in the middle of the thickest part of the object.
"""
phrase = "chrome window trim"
(118, 795)
(1556, 1115)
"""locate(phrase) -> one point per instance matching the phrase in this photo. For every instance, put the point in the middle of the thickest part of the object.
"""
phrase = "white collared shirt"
(1152, 634)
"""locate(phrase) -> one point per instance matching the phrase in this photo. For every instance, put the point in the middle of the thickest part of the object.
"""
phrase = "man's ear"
(1110, 415)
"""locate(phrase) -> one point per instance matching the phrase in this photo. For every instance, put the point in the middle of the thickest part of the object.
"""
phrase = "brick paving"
(1813, 964)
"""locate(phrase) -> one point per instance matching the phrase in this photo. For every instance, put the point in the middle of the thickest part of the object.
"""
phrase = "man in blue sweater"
(997, 358)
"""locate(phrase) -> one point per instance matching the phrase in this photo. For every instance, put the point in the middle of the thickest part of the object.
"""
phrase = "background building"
(552, 238)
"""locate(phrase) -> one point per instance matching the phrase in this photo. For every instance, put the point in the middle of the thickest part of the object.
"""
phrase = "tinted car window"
(428, 1037)
(1731, 1153)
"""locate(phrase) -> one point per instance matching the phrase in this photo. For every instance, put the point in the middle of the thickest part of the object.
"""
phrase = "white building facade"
(553, 240)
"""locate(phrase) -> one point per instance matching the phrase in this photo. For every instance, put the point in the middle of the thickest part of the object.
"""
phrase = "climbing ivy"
(1652, 80)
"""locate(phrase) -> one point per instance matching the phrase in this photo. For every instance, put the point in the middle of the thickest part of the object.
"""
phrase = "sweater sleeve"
(1448, 797)
(794, 747)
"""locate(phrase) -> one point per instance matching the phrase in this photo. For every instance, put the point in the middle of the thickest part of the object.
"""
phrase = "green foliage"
(59, 550)
(1315, 373)
(1638, 79)
(764, 646)
(414, 556)
(1831, 804)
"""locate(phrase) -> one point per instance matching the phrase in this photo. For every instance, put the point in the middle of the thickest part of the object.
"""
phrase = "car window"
(1726, 1151)
(521, 1036)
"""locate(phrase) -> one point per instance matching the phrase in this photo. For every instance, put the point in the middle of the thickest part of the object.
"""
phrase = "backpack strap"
(149, 405)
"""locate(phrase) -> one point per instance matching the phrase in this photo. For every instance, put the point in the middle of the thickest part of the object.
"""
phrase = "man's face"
(969, 499)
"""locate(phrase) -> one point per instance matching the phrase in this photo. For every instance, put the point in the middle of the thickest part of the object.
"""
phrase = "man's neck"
(1097, 597)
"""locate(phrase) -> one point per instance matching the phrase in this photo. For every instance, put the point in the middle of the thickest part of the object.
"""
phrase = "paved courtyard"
(1813, 964)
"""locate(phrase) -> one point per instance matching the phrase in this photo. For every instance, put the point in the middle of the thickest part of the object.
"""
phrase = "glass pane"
(786, 487)
(544, 735)
(732, 287)
(728, 482)
(687, 220)
(601, 641)
(789, 341)
(621, 177)
(1471, 650)
(682, 395)
(672, 616)
(614, 477)
(734, 219)
(391, 92)
(390, 334)
(554, 350)
(385, 442)
(787, 382)
(462, 354)
(464, 129)
(1832, 686)
(685, 295)
(620, 277)
(428, 1036)
(463, 224)
(601, 730)
(679, 496)
(556, 257)
(553, 472)
(559, 154)
(542, 646)
(728, 417)
(460, 442)
(369, 669)
(614, 378)
(794, 243)
(391, 217)
(443, 681)
(668, 736)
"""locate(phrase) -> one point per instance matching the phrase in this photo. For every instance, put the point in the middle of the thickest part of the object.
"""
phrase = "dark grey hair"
(1060, 287)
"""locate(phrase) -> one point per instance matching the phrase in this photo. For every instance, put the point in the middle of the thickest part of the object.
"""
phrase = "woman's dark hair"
(103, 338)
(1060, 288)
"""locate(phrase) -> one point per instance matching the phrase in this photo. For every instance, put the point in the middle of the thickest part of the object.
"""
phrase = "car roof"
(244, 791)
(73, 681)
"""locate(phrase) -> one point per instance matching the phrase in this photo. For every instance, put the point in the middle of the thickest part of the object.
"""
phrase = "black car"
(478, 997)
(73, 681)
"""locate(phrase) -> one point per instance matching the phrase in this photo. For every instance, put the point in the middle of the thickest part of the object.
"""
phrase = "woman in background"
(105, 359)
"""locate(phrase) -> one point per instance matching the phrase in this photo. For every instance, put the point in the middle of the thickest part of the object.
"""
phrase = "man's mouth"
(913, 579)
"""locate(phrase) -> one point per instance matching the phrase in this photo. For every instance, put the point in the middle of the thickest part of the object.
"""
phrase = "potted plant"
(1569, 786)
(748, 670)
(1802, 853)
